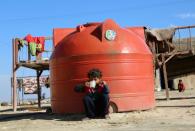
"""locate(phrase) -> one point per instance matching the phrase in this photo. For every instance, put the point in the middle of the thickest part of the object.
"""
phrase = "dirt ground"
(177, 114)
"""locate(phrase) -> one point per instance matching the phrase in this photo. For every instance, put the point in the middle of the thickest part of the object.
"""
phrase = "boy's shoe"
(104, 117)
(86, 118)
(107, 116)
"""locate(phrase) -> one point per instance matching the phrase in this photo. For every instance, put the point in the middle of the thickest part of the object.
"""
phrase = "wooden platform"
(36, 65)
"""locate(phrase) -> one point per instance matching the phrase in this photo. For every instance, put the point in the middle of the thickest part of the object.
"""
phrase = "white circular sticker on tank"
(110, 35)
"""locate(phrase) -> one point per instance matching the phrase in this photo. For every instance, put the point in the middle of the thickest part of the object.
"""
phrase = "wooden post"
(39, 57)
(29, 57)
(39, 88)
(165, 76)
(16, 52)
(14, 92)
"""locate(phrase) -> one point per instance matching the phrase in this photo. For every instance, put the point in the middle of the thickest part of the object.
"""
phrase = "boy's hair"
(94, 73)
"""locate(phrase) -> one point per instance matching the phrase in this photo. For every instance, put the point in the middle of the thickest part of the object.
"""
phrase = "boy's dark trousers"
(98, 107)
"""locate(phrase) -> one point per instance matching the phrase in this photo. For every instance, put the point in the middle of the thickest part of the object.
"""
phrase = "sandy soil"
(173, 115)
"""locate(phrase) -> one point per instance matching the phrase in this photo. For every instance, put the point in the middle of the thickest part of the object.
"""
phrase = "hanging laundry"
(40, 44)
(39, 48)
(29, 38)
(19, 83)
(32, 47)
(23, 42)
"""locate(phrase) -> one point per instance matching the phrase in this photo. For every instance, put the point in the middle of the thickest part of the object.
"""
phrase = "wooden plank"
(40, 65)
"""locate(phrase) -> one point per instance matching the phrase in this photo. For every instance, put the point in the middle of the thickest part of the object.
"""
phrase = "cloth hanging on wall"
(30, 84)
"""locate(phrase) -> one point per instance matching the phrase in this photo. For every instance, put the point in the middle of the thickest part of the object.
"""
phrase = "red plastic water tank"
(120, 53)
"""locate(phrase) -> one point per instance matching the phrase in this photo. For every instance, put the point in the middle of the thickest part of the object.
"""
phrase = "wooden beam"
(184, 27)
(188, 52)
(170, 57)
(42, 65)
(16, 50)
(48, 38)
(165, 77)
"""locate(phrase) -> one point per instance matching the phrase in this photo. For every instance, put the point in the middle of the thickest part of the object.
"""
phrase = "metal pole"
(165, 77)
(14, 97)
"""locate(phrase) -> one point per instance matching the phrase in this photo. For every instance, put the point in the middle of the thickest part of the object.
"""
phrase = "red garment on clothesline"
(29, 38)
(37, 40)
(40, 40)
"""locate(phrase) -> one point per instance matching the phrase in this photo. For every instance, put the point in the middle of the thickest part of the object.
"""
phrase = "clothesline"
(46, 38)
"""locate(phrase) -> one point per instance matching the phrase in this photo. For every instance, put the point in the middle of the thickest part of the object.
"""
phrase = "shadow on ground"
(34, 113)
(174, 98)
(41, 116)
(7, 115)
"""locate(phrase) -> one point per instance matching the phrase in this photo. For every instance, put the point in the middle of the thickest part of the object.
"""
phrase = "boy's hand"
(104, 82)
(87, 84)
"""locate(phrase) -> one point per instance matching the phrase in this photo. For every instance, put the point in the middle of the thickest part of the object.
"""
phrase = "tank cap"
(110, 35)
(80, 28)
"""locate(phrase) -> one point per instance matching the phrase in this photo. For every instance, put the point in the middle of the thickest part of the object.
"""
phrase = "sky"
(38, 17)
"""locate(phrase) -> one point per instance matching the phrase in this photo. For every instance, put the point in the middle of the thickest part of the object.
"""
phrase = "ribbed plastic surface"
(120, 53)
